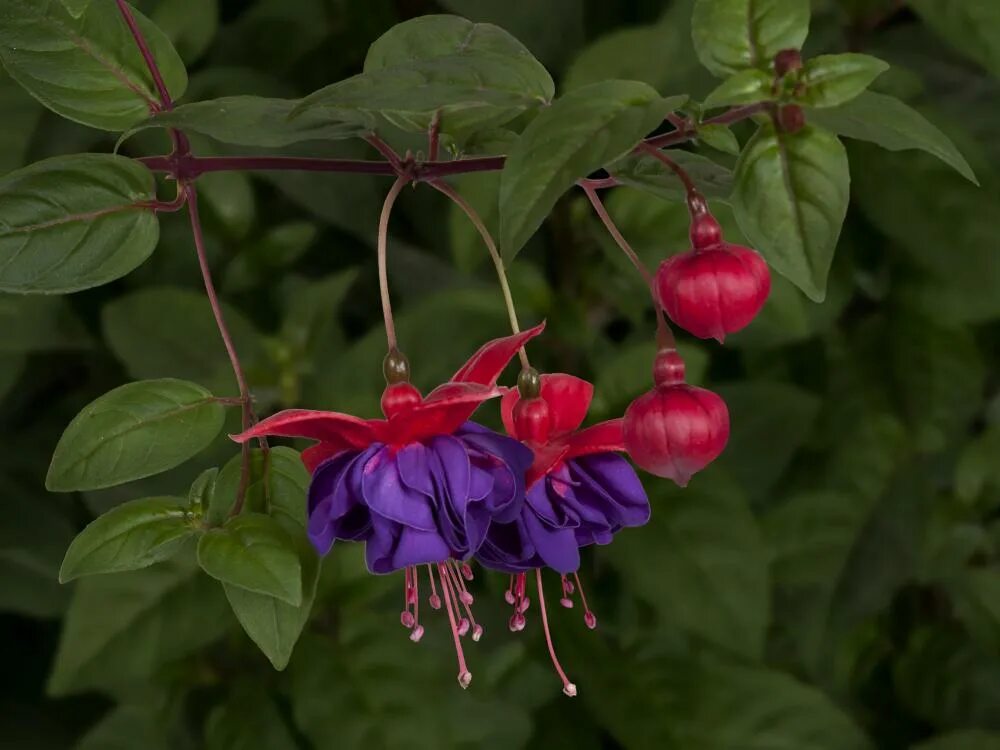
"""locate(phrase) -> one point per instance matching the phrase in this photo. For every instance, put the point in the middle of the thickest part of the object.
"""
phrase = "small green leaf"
(274, 625)
(257, 121)
(790, 200)
(731, 35)
(278, 485)
(831, 80)
(86, 66)
(476, 75)
(190, 26)
(893, 125)
(253, 552)
(131, 536)
(74, 222)
(39, 323)
(650, 174)
(745, 87)
(249, 719)
(719, 137)
(134, 431)
(582, 131)
(127, 726)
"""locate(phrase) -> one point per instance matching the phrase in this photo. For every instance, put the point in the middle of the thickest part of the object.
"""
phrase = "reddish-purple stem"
(220, 321)
(147, 54)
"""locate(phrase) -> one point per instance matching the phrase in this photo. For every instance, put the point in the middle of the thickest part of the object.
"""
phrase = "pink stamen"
(568, 687)
(434, 600)
(461, 594)
(567, 586)
(464, 675)
(466, 571)
(589, 618)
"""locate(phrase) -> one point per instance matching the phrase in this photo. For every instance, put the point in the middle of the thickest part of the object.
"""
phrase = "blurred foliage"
(832, 583)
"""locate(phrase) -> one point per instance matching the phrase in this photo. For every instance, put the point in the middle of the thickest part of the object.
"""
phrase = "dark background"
(832, 582)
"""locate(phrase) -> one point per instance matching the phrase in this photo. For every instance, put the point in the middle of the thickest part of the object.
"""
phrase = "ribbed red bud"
(675, 431)
(787, 61)
(714, 291)
(532, 420)
(399, 397)
(791, 118)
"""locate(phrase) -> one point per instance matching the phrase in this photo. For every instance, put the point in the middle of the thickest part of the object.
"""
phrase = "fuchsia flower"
(579, 492)
(421, 486)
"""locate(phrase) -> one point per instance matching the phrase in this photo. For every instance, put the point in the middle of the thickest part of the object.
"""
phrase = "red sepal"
(442, 412)
(485, 366)
(325, 426)
(604, 437)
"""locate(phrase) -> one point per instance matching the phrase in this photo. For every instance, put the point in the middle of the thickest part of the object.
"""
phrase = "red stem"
(147, 54)
(213, 299)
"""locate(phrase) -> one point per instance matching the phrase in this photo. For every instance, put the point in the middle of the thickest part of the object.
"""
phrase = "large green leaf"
(893, 125)
(87, 68)
(124, 727)
(972, 27)
(701, 563)
(581, 132)
(253, 552)
(970, 739)
(134, 431)
(475, 75)
(123, 627)
(730, 35)
(257, 121)
(791, 198)
(37, 323)
(131, 536)
(272, 624)
(171, 332)
(21, 117)
(278, 484)
(74, 222)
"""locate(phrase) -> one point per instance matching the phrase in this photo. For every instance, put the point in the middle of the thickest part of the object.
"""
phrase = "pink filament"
(568, 687)
(464, 675)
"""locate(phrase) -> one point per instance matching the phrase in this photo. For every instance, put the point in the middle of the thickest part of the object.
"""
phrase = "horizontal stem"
(190, 166)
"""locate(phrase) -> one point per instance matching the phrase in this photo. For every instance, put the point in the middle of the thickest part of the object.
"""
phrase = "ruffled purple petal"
(385, 493)
(423, 503)
(608, 496)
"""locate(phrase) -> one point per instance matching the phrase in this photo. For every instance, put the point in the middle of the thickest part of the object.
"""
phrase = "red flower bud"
(715, 291)
(791, 118)
(399, 397)
(674, 431)
(787, 61)
(533, 420)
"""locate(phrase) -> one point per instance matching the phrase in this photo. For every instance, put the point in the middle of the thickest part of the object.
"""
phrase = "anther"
(464, 679)
(477, 632)
(407, 619)
(417, 634)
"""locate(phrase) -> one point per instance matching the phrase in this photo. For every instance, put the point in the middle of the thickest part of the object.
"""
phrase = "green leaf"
(167, 331)
(791, 198)
(129, 537)
(134, 431)
(971, 27)
(719, 137)
(86, 68)
(253, 552)
(120, 629)
(248, 720)
(277, 486)
(701, 562)
(582, 131)
(650, 174)
(831, 80)
(272, 624)
(20, 123)
(893, 125)
(256, 121)
(731, 35)
(74, 222)
(976, 598)
(475, 75)
(745, 87)
(191, 27)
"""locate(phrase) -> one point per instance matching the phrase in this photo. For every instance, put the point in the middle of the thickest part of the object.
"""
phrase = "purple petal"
(386, 494)
(557, 547)
(414, 468)
(616, 489)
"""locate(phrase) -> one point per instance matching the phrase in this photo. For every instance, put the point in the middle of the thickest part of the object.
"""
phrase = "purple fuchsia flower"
(420, 487)
(579, 492)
